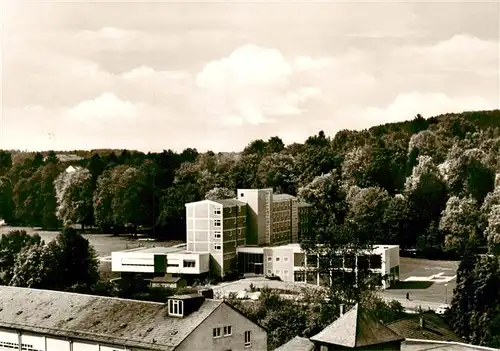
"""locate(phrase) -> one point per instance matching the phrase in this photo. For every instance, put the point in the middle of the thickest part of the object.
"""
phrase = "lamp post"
(446, 293)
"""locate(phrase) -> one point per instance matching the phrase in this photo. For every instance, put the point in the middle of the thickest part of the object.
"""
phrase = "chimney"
(207, 293)
(341, 309)
(422, 322)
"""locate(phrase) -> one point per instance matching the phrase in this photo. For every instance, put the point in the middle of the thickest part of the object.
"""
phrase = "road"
(414, 304)
(224, 289)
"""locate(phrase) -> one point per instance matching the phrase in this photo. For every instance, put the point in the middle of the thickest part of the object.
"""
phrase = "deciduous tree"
(74, 192)
(220, 194)
(460, 224)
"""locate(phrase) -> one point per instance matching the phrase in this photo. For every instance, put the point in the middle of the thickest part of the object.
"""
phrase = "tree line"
(428, 184)
(424, 183)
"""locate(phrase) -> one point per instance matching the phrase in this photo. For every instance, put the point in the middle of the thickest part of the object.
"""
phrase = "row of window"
(15, 346)
(218, 210)
(218, 234)
(270, 259)
(217, 222)
(228, 331)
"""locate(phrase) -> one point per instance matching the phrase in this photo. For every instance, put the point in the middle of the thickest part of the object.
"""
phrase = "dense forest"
(424, 183)
(429, 184)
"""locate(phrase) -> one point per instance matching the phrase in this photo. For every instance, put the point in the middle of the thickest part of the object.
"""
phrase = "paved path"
(414, 304)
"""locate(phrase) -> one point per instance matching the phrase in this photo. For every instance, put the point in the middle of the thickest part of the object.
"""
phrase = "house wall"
(258, 214)
(42, 342)
(202, 263)
(201, 223)
(281, 232)
(144, 262)
(205, 221)
(136, 262)
(235, 219)
(279, 261)
(202, 337)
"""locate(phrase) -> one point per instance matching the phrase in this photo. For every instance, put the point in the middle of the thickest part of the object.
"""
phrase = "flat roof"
(230, 202)
(296, 248)
(283, 197)
(158, 249)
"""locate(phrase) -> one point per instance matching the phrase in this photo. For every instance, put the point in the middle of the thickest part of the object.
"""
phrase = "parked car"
(442, 309)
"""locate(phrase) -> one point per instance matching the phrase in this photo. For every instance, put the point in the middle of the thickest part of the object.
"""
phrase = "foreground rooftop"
(131, 323)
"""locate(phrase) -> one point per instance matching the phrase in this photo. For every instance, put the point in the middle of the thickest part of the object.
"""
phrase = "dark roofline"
(413, 316)
(471, 346)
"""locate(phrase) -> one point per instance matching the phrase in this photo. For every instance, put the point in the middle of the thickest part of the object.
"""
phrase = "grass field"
(104, 244)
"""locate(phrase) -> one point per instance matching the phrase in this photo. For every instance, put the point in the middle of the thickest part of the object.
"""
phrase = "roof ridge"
(81, 294)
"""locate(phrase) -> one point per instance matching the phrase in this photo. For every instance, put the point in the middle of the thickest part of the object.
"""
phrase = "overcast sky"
(216, 75)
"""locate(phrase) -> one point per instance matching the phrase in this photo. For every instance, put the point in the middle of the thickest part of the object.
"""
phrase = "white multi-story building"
(218, 228)
(291, 264)
(257, 233)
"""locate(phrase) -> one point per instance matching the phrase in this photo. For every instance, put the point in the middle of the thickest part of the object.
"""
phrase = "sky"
(216, 75)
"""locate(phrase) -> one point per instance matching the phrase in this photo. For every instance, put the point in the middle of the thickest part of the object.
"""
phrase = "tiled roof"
(168, 278)
(297, 344)
(230, 202)
(356, 329)
(130, 323)
(282, 197)
(435, 328)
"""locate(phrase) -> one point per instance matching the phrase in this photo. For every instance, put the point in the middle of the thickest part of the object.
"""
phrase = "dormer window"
(175, 308)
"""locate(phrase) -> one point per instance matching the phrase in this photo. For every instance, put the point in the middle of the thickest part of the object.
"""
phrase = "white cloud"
(247, 65)
(306, 63)
(460, 52)
(144, 72)
(255, 85)
(103, 108)
(108, 34)
(407, 105)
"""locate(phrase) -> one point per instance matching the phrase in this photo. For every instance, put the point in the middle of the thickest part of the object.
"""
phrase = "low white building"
(291, 264)
(161, 260)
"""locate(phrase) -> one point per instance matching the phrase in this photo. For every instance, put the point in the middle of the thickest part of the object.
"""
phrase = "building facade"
(305, 224)
(157, 261)
(291, 264)
(258, 233)
(217, 228)
(42, 320)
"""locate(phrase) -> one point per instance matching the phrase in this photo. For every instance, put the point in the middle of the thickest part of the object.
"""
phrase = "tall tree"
(74, 191)
(129, 203)
(460, 223)
(367, 210)
(11, 244)
(76, 260)
(35, 267)
(220, 194)
(277, 171)
(6, 204)
(103, 200)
